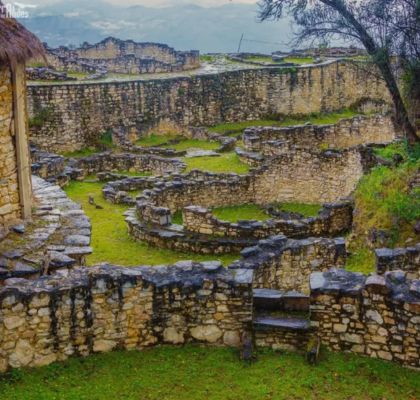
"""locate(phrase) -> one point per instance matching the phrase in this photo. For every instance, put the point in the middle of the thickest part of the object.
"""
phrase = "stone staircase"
(281, 320)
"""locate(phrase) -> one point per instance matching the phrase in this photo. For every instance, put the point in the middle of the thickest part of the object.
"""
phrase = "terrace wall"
(76, 115)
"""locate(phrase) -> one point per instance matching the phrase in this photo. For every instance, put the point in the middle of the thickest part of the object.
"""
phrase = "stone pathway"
(58, 236)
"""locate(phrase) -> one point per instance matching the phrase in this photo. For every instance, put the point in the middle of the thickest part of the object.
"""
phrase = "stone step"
(281, 323)
(276, 300)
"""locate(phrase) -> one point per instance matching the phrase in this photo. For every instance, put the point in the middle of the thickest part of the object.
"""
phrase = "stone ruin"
(117, 56)
(288, 285)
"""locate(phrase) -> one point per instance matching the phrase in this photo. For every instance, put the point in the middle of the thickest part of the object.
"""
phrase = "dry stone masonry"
(10, 209)
(104, 308)
(76, 115)
(123, 57)
(377, 316)
(346, 133)
(57, 237)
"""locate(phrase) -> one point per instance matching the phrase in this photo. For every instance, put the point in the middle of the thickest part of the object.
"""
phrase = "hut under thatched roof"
(17, 44)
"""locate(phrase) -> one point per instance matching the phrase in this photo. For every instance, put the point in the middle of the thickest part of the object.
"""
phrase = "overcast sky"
(153, 3)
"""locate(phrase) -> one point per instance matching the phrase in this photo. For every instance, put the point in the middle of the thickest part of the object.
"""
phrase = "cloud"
(165, 3)
(158, 3)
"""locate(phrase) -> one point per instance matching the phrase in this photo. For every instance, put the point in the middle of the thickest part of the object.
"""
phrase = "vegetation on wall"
(387, 206)
(280, 120)
(41, 117)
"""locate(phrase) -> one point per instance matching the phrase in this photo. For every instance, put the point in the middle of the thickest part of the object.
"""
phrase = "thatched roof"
(17, 44)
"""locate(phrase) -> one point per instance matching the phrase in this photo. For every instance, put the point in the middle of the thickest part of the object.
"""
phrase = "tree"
(384, 27)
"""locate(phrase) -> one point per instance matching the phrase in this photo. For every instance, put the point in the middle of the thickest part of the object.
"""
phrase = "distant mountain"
(185, 27)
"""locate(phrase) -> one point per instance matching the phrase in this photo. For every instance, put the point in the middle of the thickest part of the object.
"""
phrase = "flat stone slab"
(201, 153)
(291, 324)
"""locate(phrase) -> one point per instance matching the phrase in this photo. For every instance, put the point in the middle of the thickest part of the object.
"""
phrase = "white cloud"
(158, 3)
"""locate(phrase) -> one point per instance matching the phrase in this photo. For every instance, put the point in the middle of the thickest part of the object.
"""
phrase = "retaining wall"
(76, 115)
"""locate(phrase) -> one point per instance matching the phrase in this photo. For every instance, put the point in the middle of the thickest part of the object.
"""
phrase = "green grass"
(110, 239)
(156, 140)
(188, 144)
(299, 60)
(86, 152)
(385, 202)
(262, 59)
(227, 162)
(183, 144)
(207, 58)
(77, 75)
(361, 259)
(240, 212)
(177, 218)
(316, 119)
(196, 373)
(307, 210)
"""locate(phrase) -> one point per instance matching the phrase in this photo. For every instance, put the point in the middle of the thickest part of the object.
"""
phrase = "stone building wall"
(123, 56)
(346, 133)
(333, 220)
(104, 308)
(377, 316)
(287, 265)
(109, 161)
(406, 259)
(310, 176)
(77, 114)
(10, 209)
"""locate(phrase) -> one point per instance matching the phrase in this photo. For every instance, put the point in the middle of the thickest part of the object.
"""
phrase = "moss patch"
(193, 373)
(110, 239)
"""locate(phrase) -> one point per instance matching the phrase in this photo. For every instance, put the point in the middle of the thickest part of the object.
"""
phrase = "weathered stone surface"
(206, 333)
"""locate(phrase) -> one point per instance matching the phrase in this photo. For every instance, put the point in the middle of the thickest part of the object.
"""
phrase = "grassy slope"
(195, 373)
(383, 201)
(110, 239)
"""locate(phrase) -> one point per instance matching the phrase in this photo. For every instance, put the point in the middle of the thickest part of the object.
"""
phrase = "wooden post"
(22, 139)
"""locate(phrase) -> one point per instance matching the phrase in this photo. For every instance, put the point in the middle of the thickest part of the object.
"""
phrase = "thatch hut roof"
(17, 44)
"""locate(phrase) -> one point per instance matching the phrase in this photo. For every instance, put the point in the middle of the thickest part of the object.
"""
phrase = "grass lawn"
(240, 212)
(193, 144)
(156, 140)
(316, 119)
(197, 373)
(307, 210)
(226, 162)
(299, 60)
(110, 239)
(86, 152)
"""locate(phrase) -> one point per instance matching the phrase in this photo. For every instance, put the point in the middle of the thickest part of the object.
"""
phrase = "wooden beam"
(22, 139)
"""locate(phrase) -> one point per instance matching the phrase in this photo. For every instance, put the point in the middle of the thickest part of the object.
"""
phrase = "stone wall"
(123, 56)
(344, 134)
(104, 308)
(10, 209)
(333, 220)
(287, 265)
(109, 161)
(77, 114)
(311, 176)
(377, 316)
(406, 259)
